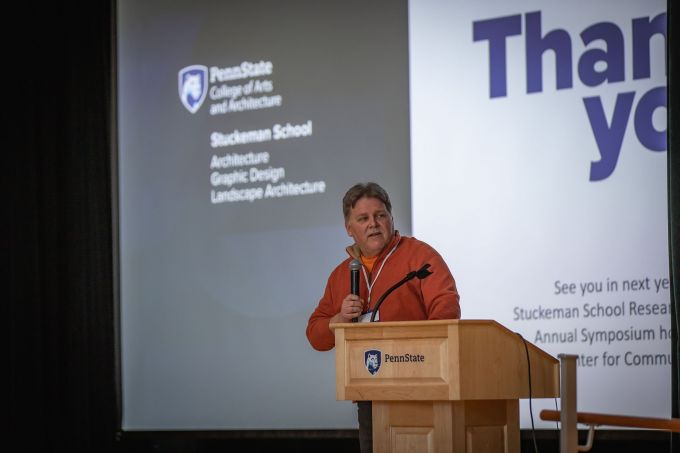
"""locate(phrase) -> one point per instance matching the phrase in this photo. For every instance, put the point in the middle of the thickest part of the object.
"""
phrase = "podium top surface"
(434, 322)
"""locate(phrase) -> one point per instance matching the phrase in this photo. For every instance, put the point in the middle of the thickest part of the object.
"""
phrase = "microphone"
(354, 268)
(420, 273)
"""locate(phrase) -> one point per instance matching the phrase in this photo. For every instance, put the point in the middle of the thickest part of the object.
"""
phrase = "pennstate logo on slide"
(193, 86)
(373, 359)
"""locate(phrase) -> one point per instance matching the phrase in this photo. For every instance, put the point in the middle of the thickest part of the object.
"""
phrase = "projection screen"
(525, 141)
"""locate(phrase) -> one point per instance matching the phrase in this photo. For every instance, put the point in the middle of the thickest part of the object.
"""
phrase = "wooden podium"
(441, 386)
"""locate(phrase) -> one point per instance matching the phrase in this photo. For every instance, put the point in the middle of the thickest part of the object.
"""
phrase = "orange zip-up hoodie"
(434, 297)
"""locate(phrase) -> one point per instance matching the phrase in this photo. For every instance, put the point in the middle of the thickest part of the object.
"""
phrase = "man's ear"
(347, 229)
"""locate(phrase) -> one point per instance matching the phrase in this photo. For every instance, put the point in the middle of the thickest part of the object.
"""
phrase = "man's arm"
(319, 334)
(440, 294)
(318, 331)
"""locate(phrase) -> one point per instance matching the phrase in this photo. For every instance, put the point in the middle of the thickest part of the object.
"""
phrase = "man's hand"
(352, 307)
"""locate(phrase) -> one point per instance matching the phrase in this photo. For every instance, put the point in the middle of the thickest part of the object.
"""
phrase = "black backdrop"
(62, 346)
(61, 311)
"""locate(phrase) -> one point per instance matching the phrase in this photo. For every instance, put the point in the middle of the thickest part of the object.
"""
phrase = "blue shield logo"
(373, 359)
(193, 86)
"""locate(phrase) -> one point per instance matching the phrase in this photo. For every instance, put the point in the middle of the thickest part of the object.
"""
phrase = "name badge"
(366, 317)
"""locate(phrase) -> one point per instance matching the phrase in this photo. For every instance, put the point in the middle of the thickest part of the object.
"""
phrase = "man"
(386, 258)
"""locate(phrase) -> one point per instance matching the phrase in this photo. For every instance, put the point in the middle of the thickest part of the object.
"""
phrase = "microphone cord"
(531, 412)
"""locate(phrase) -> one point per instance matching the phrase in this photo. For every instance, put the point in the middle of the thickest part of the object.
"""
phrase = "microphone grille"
(354, 265)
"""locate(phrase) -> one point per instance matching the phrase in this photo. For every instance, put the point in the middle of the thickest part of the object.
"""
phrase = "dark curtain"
(61, 313)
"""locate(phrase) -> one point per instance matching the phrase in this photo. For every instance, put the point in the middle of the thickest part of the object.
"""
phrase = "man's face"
(371, 226)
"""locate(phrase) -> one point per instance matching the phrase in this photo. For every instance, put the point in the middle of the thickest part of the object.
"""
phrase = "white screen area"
(539, 172)
(525, 141)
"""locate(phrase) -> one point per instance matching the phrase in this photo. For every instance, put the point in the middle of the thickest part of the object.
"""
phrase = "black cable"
(557, 424)
(531, 412)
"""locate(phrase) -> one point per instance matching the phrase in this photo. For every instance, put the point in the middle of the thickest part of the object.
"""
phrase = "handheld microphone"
(420, 273)
(354, 268)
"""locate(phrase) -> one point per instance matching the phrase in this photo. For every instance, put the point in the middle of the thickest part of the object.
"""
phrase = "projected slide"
(241, 126)
(525, 141)
(548, 130)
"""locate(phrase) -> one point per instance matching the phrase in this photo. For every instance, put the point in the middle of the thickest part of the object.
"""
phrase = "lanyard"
(370, 285)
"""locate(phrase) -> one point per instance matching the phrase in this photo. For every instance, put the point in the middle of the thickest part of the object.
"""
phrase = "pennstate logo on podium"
(193, 86)
(373, 359)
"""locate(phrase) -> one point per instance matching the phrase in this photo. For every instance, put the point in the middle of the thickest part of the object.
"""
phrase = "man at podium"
(382, 257)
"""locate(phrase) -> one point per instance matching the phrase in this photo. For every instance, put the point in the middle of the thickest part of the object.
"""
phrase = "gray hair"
(361, 190)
